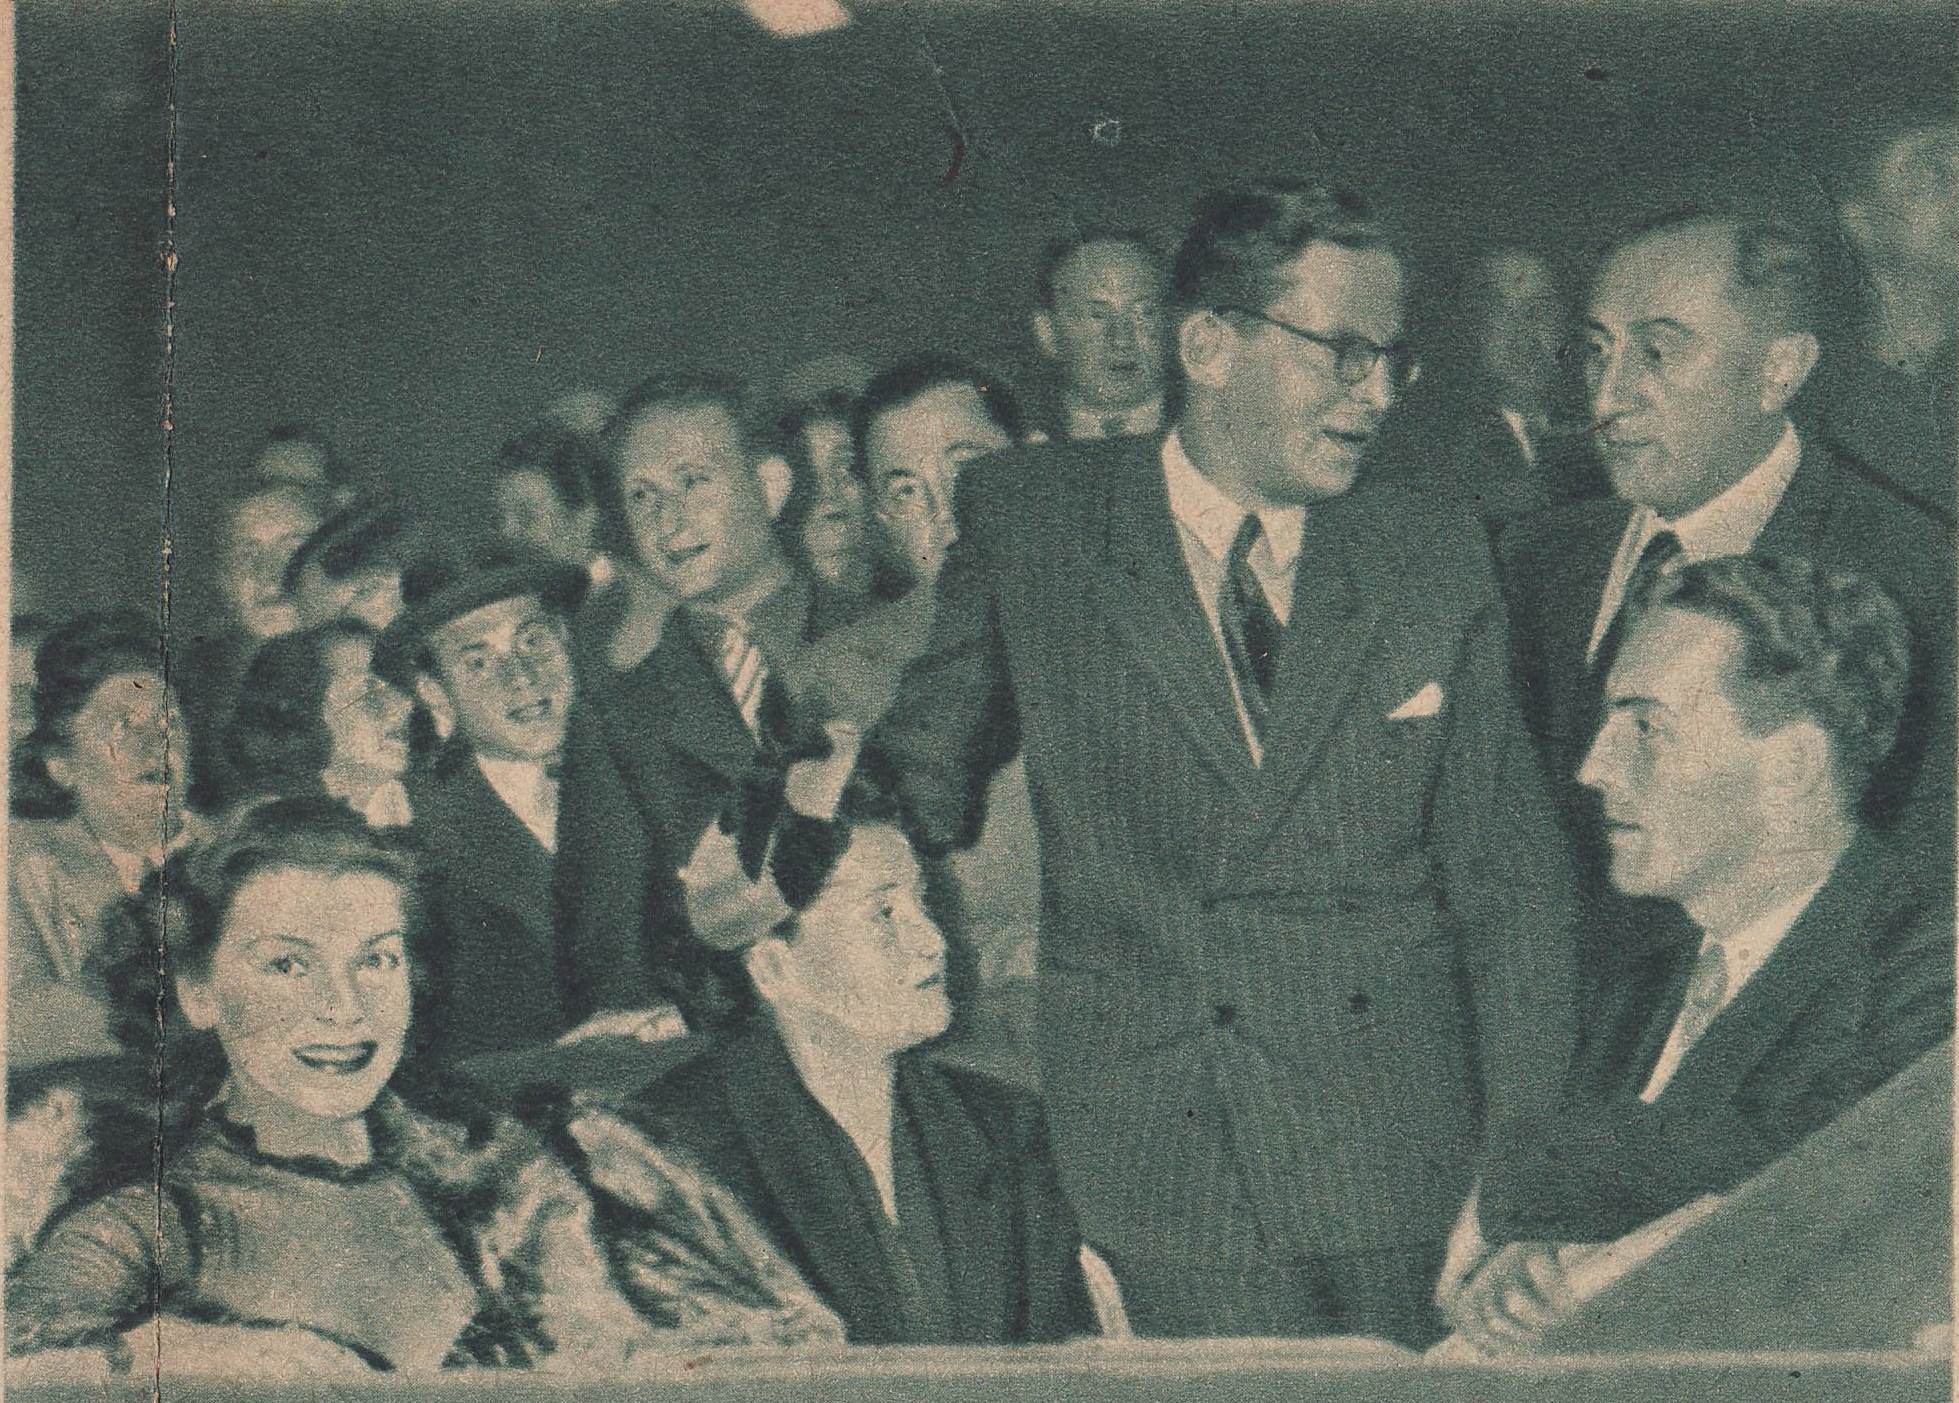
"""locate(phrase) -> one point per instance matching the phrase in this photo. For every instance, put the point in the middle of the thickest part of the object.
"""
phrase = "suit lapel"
(1803, 516)
(491, 852)
(823, 1192)
(693, 706)
(1348, 560)
(1147, 590)
(967, 1185)
(1818, 957)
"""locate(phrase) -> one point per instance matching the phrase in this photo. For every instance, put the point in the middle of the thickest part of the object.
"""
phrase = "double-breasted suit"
(1275, 1001)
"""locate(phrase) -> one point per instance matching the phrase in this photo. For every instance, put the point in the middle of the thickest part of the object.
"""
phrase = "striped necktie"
(746, 675)
(1250, 627)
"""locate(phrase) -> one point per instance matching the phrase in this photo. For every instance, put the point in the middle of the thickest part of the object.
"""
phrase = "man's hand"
(647, 1025)
(726, 910)
(1513, 1299)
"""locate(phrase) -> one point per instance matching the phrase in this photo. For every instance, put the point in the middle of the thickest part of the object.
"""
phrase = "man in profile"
(1305, 913)
(1702, 329)
(1101, 323)
(1745, 714)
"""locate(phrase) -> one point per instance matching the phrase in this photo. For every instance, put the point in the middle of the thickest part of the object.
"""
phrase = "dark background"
(415, 223)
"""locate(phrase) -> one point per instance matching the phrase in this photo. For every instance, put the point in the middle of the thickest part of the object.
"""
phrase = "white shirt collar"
(133, 867)
(1142, 418)
(530, 794)
(1729, 524)
(1748, 948)
(1213, 518)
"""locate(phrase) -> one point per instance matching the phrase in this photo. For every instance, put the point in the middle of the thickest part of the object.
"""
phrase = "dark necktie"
(1250, 628)
(1660, 550)
(1112, 426)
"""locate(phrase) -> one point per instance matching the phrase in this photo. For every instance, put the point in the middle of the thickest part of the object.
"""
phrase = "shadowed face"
(506, 671)
(125, 760)
(1107, 327)
(308, 992)
(913, 453)
(531, 516)
(834, 531)
(366, 719)
(266, 529)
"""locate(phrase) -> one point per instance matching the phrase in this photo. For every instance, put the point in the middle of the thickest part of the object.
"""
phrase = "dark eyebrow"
(1629, 703)
(1664, 324)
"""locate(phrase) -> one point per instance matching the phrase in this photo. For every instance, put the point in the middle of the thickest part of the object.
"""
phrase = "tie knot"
(1661, 548)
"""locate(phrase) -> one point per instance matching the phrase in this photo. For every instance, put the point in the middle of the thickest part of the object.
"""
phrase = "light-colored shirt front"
(1520, 430)
(1742, 954)
(1207, 524)
(528, 792)
(1727, 525)
(1145, 418)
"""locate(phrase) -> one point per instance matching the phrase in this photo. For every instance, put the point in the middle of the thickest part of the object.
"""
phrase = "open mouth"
(531, 713)
(680, 559)
(1355, 439)
(340, 1059)
(935, 980)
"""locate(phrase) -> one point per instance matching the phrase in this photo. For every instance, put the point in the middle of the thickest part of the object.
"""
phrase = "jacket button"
(1224, 1015)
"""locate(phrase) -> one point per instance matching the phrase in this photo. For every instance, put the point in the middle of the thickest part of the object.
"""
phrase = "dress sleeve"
(100, 1270)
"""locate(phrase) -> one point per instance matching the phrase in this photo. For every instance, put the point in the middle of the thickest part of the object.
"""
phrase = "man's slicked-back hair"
(1829, 645)
(683, 389)
(1778, 274)
(1058, 251)
(1243, 237)
(900, 384)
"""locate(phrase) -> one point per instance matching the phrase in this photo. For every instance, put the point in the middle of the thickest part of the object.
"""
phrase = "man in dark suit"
(918, 1199)
(482, 639)
(1305, 909)
(1101, 322)
(706, 720)
(1701, 333)
(1744, 713)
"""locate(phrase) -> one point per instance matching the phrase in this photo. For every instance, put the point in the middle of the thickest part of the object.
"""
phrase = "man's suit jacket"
(652, 757)
(1555, 568)
(1010, 1242)
(1858, 988)
(494, 976)
(1272, 999)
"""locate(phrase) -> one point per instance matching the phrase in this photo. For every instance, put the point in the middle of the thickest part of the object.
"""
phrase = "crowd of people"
(1285, 835)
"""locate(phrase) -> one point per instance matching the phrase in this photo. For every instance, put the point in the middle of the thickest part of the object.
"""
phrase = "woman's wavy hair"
(172, 927)
(71, 663)
(277, 739)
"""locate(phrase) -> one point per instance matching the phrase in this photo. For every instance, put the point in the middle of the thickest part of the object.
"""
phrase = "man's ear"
(1786, 365)
(197, 1002)
(1801, 771)
(767, 963)
(1043, 323)
(777, 478)
(1204, 347)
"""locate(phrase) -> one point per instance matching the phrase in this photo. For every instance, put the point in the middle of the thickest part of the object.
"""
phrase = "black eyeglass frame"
(1354, 357)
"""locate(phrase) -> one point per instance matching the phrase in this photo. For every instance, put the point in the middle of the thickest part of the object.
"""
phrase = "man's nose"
(1594, 769)
(1612, 389)
(1377, 386)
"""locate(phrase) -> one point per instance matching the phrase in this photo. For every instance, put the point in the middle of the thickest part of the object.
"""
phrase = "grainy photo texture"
(847, 699)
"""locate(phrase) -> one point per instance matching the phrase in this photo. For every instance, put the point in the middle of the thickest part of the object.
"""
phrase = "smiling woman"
(307, 1213)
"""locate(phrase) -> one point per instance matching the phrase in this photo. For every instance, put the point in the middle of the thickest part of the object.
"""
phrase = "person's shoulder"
(1555, 530)
(1038, 477)
(687, 1102)
(1010, 1117)
(1869, 501)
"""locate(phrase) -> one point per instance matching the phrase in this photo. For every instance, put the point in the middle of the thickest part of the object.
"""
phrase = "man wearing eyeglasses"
(1305, 908)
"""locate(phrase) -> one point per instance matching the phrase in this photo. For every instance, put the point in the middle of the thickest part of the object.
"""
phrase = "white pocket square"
(1427, 702)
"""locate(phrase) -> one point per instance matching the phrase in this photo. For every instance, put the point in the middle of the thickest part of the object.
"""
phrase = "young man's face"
(1682, 777)
(696, 506)
(1106, 329)
(506, 671)
(913, 454)
(265, 531)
